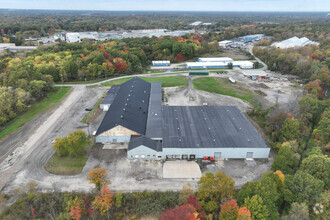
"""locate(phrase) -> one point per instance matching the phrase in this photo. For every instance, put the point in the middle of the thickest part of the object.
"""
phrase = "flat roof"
(208, 127)
(215, 59)
(154, 120)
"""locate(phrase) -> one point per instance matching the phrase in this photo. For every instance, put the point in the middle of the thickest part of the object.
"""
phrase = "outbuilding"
(109, 97)
(198, 72)
(161, 63)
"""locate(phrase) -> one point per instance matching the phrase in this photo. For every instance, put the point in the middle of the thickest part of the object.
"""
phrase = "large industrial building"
(294, 42)
(153, 131)
(218, 62)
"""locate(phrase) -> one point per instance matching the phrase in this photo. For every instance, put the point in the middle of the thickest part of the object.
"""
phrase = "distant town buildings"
(11, 47)
(76, 37)
(294, 42)
(197, 23)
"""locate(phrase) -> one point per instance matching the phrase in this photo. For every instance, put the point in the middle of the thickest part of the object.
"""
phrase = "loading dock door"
(249, 155)
(217, 154)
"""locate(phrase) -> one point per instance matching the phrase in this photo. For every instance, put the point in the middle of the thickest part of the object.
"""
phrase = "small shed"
(198, 72)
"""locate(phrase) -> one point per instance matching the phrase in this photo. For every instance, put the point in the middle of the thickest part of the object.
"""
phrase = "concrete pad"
(115, 146)
(181, 169)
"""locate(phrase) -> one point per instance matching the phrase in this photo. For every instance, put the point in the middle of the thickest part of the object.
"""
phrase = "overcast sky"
(171, 5)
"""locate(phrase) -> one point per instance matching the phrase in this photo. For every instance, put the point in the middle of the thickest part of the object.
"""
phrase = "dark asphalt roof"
(111, 94)
(129, 108)
(155, 120)
(208, 127)
(137, 141)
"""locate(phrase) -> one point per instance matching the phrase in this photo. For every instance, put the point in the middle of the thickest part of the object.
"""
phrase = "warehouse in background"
(161, 63)
(218, 62)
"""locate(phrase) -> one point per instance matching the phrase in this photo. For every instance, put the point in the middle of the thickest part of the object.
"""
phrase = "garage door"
(217, 154)
(249, 155)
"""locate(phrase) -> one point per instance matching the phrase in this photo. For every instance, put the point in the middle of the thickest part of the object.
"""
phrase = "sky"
(171, 5)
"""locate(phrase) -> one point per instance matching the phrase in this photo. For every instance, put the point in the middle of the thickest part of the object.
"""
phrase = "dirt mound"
(263, 85)
(260, 93)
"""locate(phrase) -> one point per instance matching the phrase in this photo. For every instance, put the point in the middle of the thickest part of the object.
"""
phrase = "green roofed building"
(198, 72)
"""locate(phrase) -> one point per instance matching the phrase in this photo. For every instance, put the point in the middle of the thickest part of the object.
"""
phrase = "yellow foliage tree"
(98, 177)
(280, 175)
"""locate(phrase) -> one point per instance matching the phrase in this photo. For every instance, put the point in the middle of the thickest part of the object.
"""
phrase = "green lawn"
(224, 87)
(166, 81)
(46, 104)
(66, 165)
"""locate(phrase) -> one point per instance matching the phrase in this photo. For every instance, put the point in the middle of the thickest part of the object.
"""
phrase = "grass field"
(66, 165)
(224, 87)
(166, 81)
(44, 105)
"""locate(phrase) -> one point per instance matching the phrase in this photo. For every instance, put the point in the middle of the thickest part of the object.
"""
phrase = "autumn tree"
(98, 177)
(244, 214)
(229, 210)
(103, 202)
(213, 189)
(188, 211)
(186, 191)
(257, 207)
(74, 205)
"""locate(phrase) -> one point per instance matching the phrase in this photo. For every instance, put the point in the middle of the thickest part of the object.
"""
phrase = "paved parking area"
(181, 169)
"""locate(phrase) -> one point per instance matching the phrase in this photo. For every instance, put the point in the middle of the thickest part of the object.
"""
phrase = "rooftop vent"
(144, 112)
(209, 128)
(124, 109)
(204, 118)
(180, 140)
(142, 101)
(213, 140)
(127, 99)
(248, 140)
(140, 107)
(145, 91)
(125, 104)
(132, 86)
(121, 116)
(129, 95)
(178, 128)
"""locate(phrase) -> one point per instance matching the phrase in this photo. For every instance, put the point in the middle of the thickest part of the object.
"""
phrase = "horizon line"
(99, 10)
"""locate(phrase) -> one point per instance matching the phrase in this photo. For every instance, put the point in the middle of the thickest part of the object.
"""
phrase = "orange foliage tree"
(229, 210)
(103, 202)
(98, 177)
(244, 214)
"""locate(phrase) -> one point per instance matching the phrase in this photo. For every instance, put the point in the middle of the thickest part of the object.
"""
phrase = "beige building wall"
(119, 131)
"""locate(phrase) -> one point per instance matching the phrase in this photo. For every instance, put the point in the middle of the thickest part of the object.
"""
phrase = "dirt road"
(24, 152)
